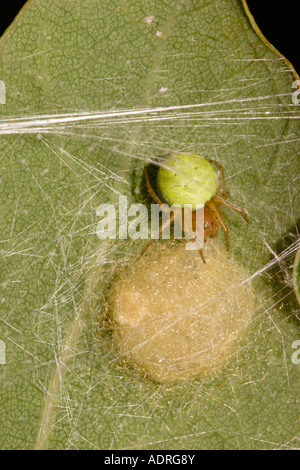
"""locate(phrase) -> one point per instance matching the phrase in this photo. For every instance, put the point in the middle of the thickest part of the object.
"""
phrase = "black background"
(279, 22)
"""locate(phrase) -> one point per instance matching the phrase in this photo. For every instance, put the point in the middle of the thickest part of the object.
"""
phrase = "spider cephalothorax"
(191, 179)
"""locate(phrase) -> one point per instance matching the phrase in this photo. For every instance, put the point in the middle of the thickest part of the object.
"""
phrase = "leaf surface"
(93, 91)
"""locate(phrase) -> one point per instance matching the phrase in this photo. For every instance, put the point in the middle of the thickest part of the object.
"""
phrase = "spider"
(191, 179)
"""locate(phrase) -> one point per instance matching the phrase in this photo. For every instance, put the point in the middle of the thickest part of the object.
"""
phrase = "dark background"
(279, 22)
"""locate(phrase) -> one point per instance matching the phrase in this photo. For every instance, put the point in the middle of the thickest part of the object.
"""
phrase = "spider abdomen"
(187, 179)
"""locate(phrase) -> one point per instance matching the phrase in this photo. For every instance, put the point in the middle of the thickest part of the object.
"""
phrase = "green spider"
(191, 179)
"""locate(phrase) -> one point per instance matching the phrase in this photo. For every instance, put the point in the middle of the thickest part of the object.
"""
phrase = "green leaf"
(93, 91)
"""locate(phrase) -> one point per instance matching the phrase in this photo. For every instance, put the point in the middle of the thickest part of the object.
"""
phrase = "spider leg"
(220, 200)
(150, 189)
(201, 254)
(217, 214)
(161, 229)
(147, 246)
(199, 251)
(221, 177)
